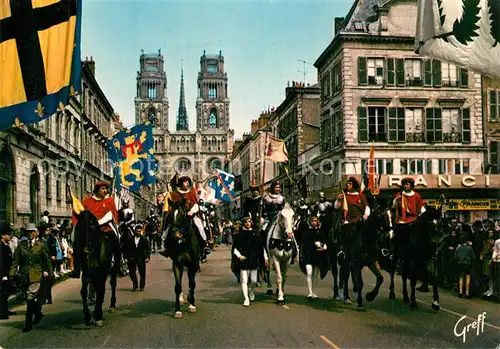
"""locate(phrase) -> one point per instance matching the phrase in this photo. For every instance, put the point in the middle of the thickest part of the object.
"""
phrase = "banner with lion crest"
(464, 32)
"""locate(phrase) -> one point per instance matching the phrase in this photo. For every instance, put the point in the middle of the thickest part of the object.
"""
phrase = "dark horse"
(415, 245)
(358, 249)
(183, 247)
(93, 252)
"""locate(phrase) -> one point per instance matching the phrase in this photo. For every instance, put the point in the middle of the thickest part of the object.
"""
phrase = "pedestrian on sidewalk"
(5, 280)
(464, 256)
(137, 252)
(33, 257)
(248, 249)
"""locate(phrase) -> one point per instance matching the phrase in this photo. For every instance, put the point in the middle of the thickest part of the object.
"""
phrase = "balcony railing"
(453, 137)
(415, 137)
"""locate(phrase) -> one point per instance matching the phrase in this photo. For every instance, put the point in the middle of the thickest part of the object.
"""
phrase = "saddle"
(281, 245)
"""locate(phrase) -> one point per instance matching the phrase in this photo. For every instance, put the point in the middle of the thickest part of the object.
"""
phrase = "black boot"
(28, 323)
(38, 313)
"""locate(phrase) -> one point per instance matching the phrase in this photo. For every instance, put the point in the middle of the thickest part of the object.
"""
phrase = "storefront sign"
(437, 181)
(467, 204)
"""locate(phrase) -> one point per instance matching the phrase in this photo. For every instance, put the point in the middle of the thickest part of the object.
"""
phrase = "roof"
(363, 11)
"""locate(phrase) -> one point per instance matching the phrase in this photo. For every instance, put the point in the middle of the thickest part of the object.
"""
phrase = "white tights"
(245, 286)
(311, 277)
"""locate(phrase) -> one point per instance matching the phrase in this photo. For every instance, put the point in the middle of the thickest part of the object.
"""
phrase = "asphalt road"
(145, 319)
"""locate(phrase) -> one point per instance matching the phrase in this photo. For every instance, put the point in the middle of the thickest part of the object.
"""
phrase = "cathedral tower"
(151, 102)
(212, 104)
(182, 118)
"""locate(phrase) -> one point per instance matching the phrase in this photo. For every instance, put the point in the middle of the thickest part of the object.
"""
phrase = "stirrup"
(385, 252)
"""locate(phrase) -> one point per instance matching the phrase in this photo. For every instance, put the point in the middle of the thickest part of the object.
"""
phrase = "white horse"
(280, 245)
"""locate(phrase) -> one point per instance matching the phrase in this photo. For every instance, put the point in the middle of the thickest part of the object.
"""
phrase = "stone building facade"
(37, 161)
(198, 153)
(423, 116)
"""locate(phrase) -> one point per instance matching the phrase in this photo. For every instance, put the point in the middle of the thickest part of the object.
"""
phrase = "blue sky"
(261, 42)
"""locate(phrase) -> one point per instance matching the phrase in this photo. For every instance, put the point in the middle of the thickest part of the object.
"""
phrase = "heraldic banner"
(464, 32)
(40, 63)
(132, 154)
(276, 150)
(223, 185)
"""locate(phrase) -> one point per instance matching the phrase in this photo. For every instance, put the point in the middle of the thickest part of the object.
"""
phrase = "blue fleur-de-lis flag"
(132, 154)
(224, 186)
(40, 65)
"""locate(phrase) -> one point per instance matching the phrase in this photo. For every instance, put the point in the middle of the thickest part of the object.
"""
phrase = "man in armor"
(322, 207)
(252, 205)
(151, 228)
(273, 202)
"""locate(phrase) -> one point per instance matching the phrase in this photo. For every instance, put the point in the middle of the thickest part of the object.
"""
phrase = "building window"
(212, 118)
(375, 71)
(494, 158)
(413, 128)
(434, 131)
(183, 165)
(326, 132)
(337, 127)
(449, 74)
(337, 78)
(454, 166)
(212, 67)
(382, 166)
(413, 72)
(418, 166)
(152, 92)
(396, 125)
(494, 105)
(213, 165)
(376, 124)
(325, 87)
(450, 125)
(152, 115)
(212, 92)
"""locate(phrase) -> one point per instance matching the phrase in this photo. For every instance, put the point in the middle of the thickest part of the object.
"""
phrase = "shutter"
(427, 72)
(393, 124)
(466, 125)
(333, 80)
(400, 72)
(362, 125)
(464, 77)
(493, 106)
(391, 74)
(362, 73)
(401, 125)
(436, 72)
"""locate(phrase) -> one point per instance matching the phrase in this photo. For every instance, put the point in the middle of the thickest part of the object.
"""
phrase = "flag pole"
(262, 181)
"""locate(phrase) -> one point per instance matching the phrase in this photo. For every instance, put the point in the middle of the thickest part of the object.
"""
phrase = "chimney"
(338, 24)
(255, 126)
(91, 65)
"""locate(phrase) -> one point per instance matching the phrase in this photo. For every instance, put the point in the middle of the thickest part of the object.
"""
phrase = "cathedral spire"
(182, 118)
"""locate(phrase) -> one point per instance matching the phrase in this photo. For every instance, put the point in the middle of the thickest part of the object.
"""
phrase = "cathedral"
(196, 153)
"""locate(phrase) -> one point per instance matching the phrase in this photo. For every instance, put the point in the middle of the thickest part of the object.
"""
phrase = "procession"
(358, 208)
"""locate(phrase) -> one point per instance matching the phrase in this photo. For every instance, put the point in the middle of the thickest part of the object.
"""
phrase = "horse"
(93, 252)
(281, 244)
(414, 245)
(183, 246)
(331, 220)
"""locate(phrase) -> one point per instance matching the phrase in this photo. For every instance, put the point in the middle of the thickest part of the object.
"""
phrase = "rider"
(321, 208)
(252, 204)
(407, 203)
(184, 191)
(273, 202)
(352, 202)
(103, 207)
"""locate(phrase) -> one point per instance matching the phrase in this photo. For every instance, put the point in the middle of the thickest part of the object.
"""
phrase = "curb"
(16, 299)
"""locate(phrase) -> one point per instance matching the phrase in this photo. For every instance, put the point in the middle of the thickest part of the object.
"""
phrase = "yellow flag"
(166, 206)
(276, 150)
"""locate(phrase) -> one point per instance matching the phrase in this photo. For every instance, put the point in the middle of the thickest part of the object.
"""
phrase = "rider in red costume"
(184, 191)
(353, 202)
(103, 207)
(407, 203)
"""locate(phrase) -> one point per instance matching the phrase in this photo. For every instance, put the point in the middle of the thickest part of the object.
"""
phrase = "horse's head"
(285, 219)
(86, 223)
(178, 218)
